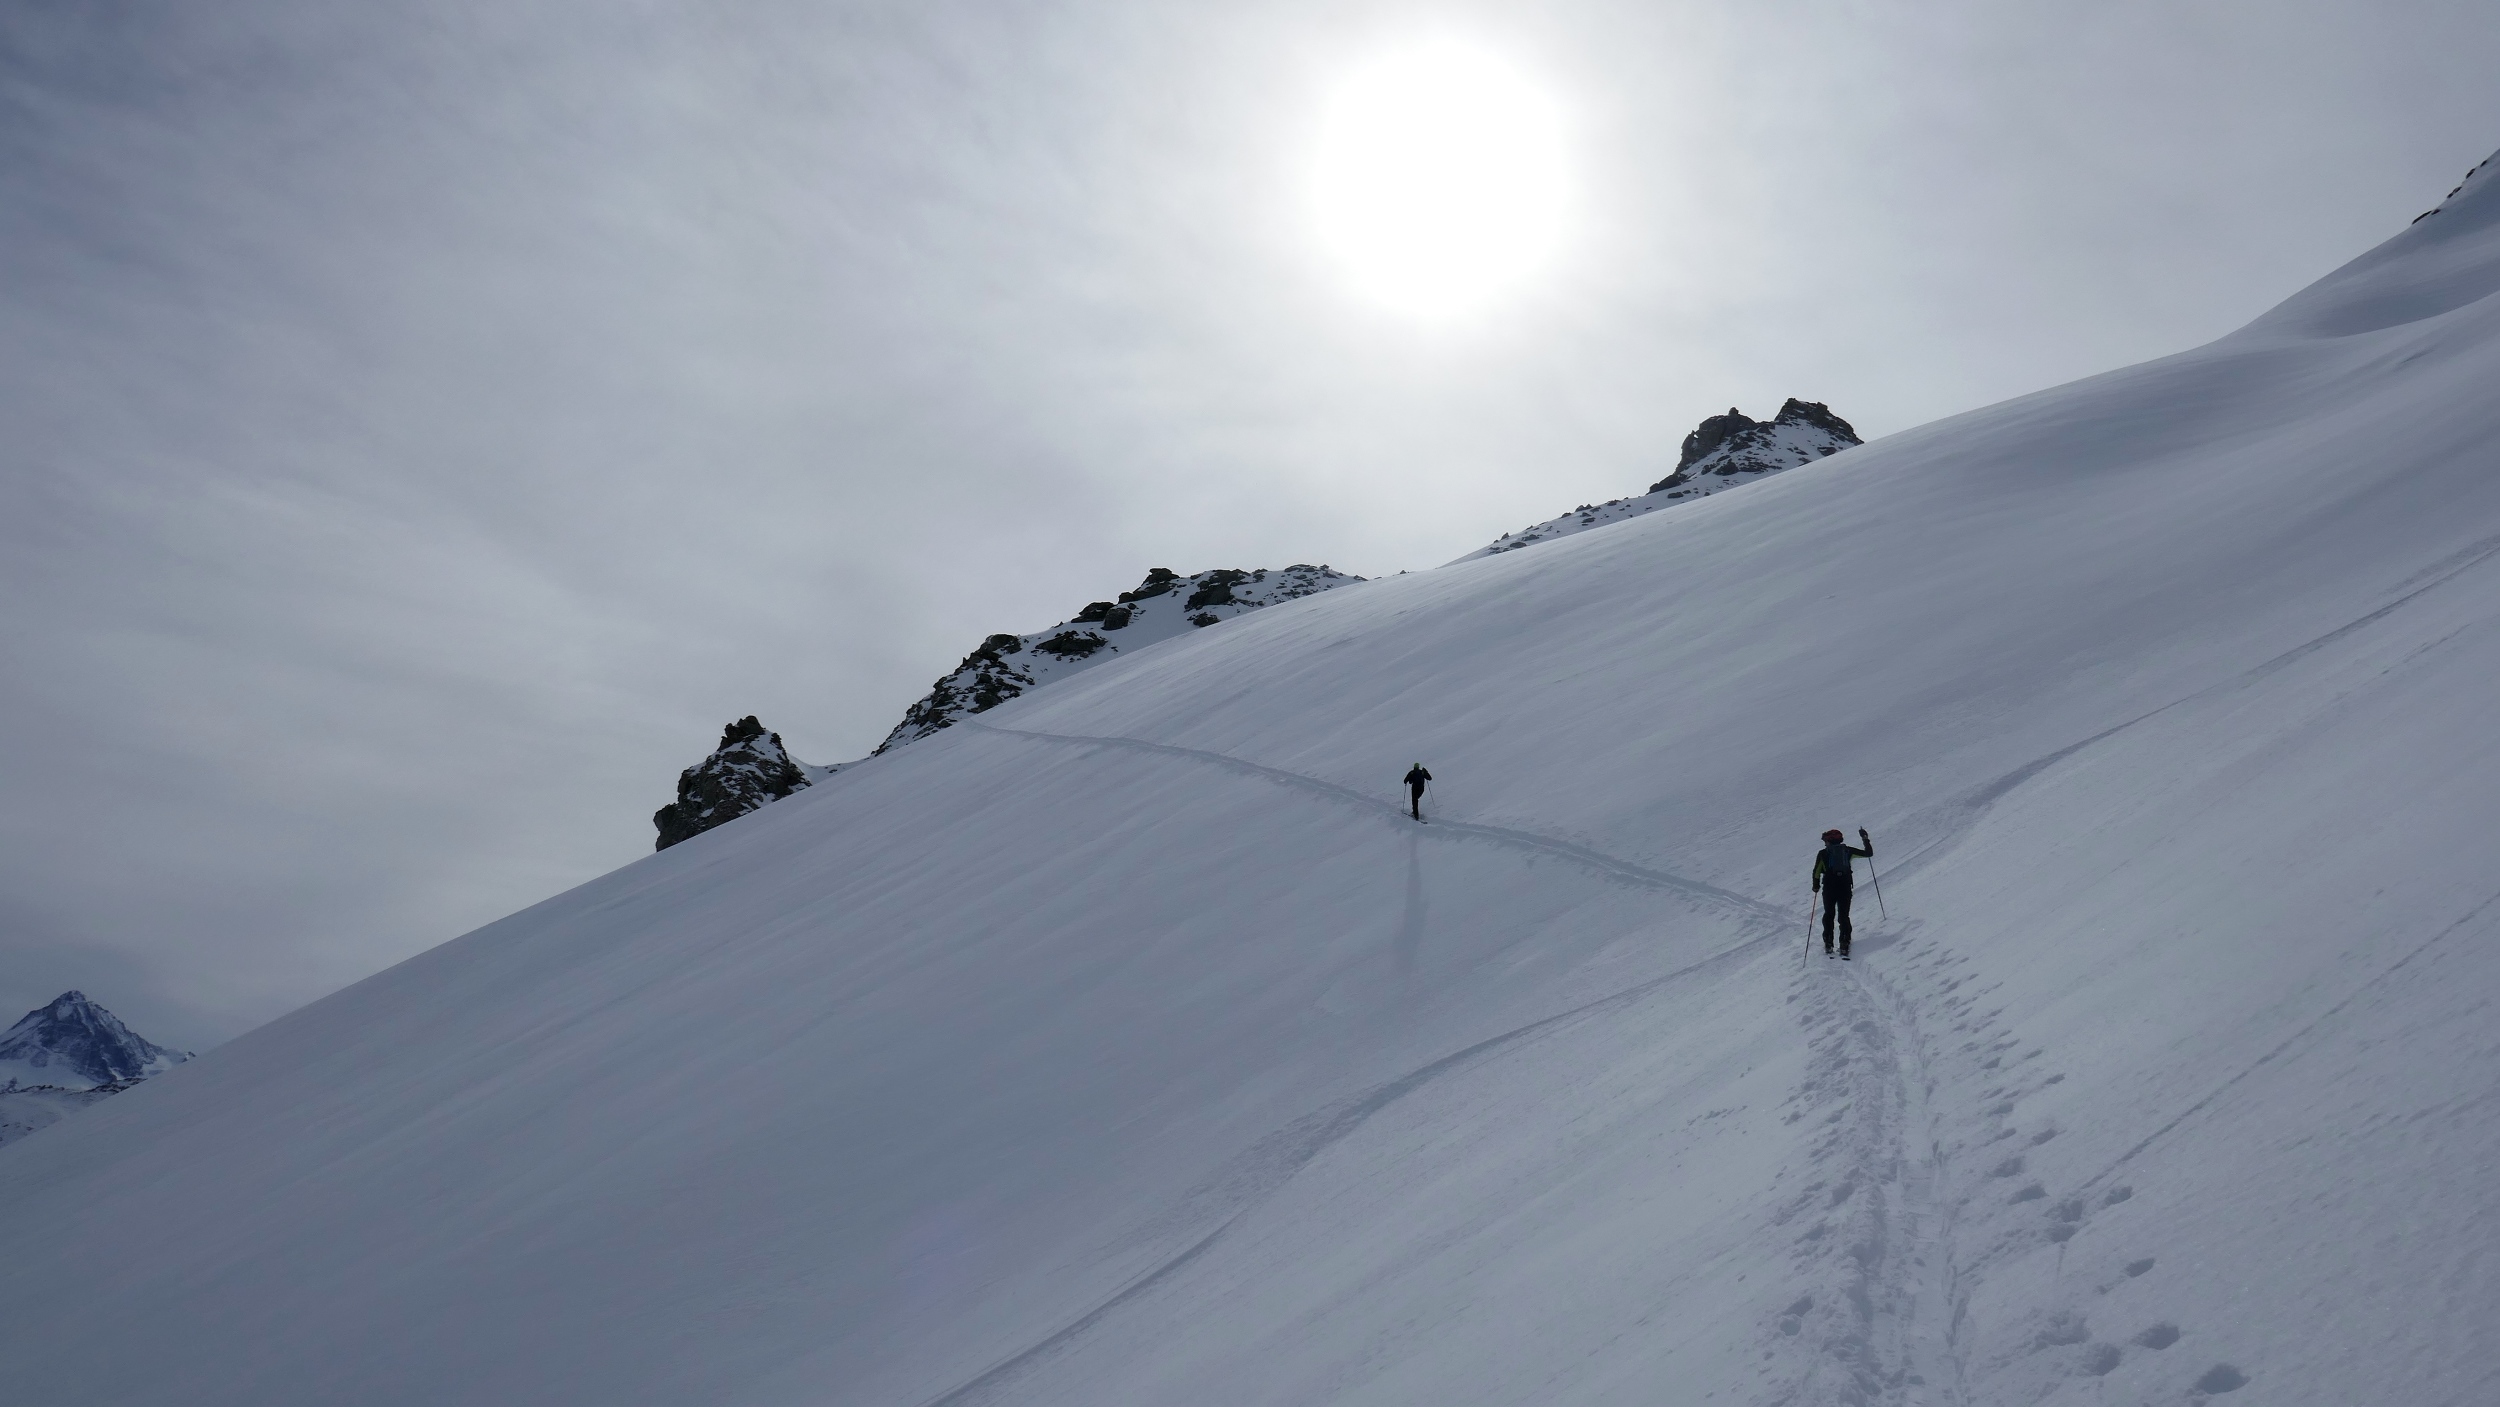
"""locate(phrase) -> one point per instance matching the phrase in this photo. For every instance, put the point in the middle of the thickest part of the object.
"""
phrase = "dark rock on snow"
(749, 769)
(1722, 452)
(1165, 604)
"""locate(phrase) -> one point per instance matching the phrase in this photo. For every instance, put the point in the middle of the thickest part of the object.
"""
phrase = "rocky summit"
(75, 1044)
(1165, 604)
(747, 770)
(1720, 453)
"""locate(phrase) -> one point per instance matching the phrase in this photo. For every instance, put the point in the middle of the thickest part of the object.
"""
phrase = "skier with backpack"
(1416, 777)
(1833, 879)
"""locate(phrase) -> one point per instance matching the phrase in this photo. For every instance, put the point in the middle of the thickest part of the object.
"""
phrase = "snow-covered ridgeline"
(1723, 452)
(1165, 604)
(752, 768)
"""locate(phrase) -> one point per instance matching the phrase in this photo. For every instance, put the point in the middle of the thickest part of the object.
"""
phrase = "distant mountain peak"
(1722, 452)
(74, 1043)
(747, 770)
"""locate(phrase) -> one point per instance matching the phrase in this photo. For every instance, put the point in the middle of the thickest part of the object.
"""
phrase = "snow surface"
(1125, 1045)
(27, 1108)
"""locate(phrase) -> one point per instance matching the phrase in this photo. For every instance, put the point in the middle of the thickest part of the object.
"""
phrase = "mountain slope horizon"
(1126, 1043)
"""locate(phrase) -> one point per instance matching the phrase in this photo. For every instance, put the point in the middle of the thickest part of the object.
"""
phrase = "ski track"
(1957, 819)
(1741, 905)
(1880, 1327)
(2295, 1038)
(1272, 1162)
(1884, 1324)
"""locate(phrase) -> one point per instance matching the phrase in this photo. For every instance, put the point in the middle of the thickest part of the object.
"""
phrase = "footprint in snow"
(2161, 1335)
(2138, 1267)
(2220, 1378)
(2060, 1331)
(1793, 1318)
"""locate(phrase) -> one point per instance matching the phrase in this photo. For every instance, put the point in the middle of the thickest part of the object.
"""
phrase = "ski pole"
(1870, 874)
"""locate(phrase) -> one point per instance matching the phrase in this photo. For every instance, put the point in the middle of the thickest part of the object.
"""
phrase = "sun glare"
(1440, 183)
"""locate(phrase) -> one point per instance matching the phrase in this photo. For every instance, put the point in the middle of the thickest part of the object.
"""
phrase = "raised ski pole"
(1870, 874)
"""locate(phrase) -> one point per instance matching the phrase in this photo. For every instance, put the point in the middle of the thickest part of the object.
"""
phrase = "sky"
(427, 425)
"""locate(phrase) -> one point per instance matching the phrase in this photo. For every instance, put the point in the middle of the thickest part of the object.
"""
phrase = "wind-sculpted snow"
(1131, 1046)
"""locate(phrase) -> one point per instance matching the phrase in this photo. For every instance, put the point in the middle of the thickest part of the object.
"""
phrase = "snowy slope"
(1124, 1045)
(1723, 452)
(28, 1109)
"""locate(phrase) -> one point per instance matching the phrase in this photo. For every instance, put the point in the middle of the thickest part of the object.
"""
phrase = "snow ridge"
(1724, 451)
(1164, 605)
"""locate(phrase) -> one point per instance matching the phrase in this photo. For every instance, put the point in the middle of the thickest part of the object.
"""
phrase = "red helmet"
(1832, 835)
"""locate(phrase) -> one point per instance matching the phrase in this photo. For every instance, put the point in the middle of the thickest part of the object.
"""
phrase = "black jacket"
(1832, 863)
(1416, 776)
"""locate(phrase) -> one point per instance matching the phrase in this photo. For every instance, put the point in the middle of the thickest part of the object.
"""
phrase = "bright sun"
(1441, 181)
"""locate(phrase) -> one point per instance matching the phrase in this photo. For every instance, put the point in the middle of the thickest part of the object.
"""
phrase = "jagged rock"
(1735, 443)
(65, 1056)
(749, 769)
(1163, 605)
(1722, 452)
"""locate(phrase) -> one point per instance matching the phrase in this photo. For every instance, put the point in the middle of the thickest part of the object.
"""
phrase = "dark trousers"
(1415, 800)
(1835, 901)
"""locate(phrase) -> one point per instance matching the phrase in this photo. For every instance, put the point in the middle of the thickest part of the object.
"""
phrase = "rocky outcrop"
(1722, 452)
(1735, 443)
(749, 769)
(1165, 604)
(64, 1056)
(2479, 168)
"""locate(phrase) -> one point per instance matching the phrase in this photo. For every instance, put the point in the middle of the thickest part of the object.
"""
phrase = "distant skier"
(1833, 877)
(1416, 778)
